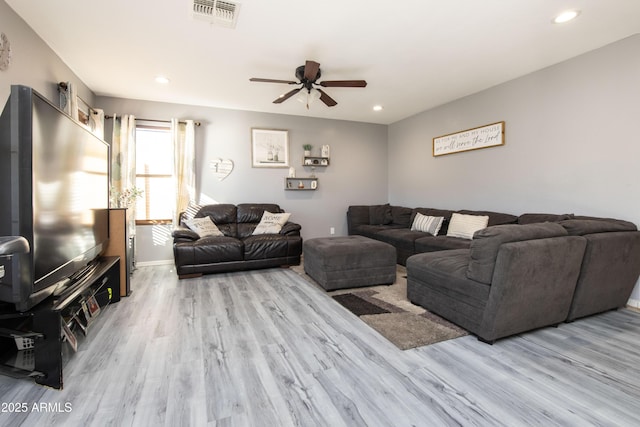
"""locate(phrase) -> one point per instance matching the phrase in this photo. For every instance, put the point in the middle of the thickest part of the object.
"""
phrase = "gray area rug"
(387, 310)
(404, 329)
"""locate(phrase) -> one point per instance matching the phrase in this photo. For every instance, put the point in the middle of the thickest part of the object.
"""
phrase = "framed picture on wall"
(269, 148)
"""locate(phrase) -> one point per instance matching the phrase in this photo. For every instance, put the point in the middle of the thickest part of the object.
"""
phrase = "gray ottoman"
(349, 262)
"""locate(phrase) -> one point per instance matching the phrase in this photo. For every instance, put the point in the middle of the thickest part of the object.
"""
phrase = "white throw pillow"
(428, 224)
(271, 223)
(204, 227)
(465, 225)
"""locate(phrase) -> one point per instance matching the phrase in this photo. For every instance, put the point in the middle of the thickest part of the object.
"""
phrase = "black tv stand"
(38, 343)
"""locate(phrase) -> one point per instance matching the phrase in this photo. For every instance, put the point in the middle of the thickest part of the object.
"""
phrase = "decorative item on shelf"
(125, 198)
(314, 184)
(292, 172)
(307, 149)
(300, 184)
(222, 168)
(325, 151)
(324, 162)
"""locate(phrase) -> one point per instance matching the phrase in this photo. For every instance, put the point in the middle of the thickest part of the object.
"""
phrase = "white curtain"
(123, 166)
(183, 136)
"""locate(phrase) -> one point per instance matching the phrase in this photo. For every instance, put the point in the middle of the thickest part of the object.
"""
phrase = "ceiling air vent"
(218, 12)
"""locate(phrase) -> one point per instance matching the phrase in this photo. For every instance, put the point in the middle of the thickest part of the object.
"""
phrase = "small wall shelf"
(315, 161)
(300, 184)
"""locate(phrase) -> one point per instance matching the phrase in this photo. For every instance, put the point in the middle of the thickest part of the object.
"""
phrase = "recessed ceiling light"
(162, 80)
(566, 16)
(377, 108)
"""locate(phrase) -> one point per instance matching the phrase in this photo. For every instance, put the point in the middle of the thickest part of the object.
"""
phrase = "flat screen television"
(54, 181)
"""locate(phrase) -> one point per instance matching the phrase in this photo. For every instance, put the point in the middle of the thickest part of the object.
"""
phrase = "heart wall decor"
(221, 167)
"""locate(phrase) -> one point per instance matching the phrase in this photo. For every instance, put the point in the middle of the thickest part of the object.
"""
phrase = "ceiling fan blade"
(255, 79)
(311, 70)
(344, 83)
(327, 99)
(286, 96)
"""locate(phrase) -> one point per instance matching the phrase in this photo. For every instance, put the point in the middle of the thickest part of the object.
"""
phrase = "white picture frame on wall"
(491, 135)
(269, 148)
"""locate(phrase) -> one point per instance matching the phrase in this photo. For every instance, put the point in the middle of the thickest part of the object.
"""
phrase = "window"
(154, 173)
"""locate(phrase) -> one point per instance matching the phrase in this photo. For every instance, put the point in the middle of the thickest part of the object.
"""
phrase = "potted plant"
(307, 149)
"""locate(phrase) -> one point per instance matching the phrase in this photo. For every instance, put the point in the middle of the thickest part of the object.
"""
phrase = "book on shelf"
(94, 307)
(67, 333)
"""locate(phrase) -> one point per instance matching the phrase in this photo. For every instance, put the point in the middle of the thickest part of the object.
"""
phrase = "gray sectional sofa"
(517, 274)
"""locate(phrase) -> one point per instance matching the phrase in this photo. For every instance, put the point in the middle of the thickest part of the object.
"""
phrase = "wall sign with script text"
(472, 139)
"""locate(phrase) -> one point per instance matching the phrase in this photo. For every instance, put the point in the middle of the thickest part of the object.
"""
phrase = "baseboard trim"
(633, 303)
(152, 263)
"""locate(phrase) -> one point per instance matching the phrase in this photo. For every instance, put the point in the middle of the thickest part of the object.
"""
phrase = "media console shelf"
(38, 343)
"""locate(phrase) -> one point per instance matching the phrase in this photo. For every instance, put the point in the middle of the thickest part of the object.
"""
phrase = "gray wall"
(357, 173)
(34, 63)
(572, 143)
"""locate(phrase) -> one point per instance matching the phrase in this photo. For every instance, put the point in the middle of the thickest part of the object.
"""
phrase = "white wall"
(572, 143)
(357, 173)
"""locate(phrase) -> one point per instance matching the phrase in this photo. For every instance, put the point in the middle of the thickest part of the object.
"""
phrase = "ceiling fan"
(308, 75)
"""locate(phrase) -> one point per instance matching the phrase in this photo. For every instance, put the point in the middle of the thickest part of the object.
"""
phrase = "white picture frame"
(269, 148)
(491, 135)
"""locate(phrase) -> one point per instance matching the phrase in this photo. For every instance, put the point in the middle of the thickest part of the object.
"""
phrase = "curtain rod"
(153, 120)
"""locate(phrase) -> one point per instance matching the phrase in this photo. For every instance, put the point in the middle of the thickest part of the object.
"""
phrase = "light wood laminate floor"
(266, 348)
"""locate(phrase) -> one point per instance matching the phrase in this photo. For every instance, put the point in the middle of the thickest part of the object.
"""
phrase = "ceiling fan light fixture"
(308, 97)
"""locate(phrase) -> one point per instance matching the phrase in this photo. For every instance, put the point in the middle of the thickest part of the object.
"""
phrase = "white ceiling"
(414, 54)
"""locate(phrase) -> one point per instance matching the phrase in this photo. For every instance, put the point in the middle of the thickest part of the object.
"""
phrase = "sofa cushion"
(580, 227)
(440, 243)
(531, 218)
(249, 216)
(495, 218)
(209, 250)
(252, 212)
(401, 238)
(373, 231)
(464, 226)
(203, 227)
(428, 224)
(401, 215)
(271, 223)
(380, 214)
(486, 244)
(265, 246)
(223, 216)
(437, 281)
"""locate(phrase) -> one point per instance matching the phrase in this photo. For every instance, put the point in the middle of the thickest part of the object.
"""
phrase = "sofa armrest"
(183, 233)
(291, 229)
(532, 287)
